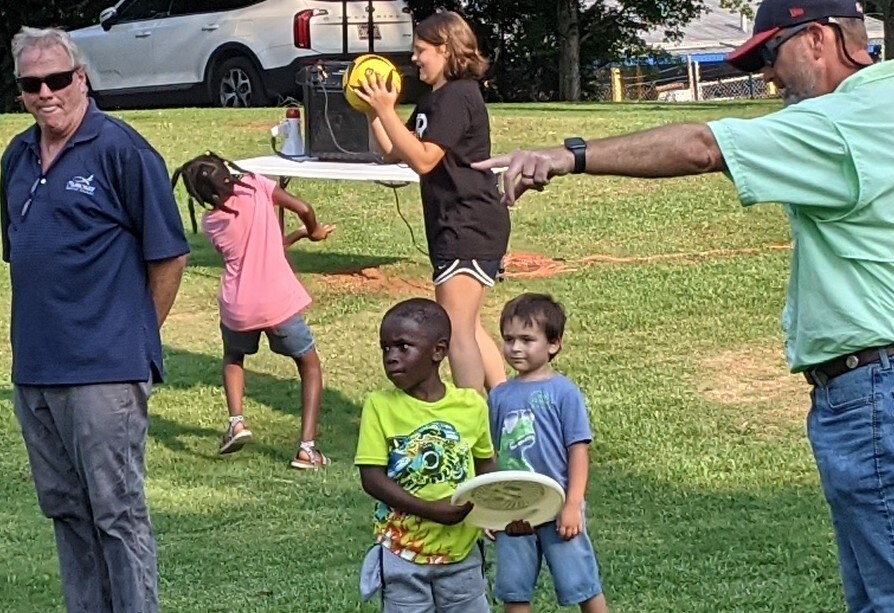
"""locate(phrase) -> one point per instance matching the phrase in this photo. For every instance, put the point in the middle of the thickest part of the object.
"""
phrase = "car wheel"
(237, 84)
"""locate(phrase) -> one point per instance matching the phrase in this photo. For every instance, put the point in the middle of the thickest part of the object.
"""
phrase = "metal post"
(344, 26)
(371, 25)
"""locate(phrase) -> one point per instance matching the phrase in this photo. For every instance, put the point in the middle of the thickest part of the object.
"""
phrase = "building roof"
(719, 30)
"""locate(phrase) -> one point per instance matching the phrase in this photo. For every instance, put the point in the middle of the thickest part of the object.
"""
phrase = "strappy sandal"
(316, 458)
(233, 441)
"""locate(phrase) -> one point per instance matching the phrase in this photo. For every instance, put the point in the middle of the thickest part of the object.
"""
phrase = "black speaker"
(333, 130)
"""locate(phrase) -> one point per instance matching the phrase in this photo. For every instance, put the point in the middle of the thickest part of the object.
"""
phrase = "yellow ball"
(367, 65)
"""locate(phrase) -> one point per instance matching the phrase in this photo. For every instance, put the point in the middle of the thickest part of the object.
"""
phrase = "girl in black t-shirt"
(466, 226)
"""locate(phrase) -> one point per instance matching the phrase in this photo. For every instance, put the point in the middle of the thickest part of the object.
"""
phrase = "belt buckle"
(852, 361)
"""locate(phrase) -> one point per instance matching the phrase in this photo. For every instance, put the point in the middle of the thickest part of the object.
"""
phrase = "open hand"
(570, 521)
(378, 92)
(528, 170)
(321, 232)
(443, 512)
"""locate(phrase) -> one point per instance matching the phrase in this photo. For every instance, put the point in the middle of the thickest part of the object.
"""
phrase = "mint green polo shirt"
(830, 161)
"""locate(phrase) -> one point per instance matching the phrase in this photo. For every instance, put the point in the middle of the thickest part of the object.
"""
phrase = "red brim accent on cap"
(747, 56)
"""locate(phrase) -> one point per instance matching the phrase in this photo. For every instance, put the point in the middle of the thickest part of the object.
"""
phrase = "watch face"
(575, 143)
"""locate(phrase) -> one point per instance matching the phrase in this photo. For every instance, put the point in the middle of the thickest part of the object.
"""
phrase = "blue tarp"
(707, 58)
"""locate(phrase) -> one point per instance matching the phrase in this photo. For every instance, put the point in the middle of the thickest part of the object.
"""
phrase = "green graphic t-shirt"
(428, 448)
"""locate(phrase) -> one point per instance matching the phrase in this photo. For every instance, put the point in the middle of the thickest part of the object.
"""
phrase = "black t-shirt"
(464, 218)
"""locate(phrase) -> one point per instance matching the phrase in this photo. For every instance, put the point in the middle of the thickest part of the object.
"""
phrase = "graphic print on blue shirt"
(534, 422)
(517, 436)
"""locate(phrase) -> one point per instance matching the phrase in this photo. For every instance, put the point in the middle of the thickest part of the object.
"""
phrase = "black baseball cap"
(776, 15)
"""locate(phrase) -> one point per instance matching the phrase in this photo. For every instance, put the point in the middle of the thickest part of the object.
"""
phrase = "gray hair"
(28, 38)
(854, 31)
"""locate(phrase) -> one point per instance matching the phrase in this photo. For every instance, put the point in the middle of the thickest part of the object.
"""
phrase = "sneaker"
(234, 441)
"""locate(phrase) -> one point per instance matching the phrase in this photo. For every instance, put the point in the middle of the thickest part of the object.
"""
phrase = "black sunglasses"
(55, 81)
(770, 51)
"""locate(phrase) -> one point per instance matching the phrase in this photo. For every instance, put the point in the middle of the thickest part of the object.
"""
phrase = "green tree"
(551, 50)
(37, 13)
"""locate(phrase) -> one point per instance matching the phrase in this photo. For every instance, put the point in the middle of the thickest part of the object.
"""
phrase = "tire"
(236, 83)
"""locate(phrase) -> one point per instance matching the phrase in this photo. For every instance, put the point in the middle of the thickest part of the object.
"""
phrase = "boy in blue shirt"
(539, 422)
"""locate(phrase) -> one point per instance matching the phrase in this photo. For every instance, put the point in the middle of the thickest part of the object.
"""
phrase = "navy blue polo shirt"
(77, 240)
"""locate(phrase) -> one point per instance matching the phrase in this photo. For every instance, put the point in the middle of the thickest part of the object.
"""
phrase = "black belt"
(819, 375)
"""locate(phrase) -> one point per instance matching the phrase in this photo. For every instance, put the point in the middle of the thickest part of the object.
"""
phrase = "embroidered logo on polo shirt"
(81, 184)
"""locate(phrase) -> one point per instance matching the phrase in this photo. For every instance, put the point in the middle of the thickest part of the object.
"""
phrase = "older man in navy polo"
(96, 250)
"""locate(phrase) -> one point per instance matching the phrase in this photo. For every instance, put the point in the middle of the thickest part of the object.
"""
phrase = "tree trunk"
(568, 21)
(888, 20)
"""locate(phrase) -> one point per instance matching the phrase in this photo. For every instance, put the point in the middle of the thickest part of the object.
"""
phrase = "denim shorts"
(486, 272)
(851, 431)
(572, 564)
(407, 587)
(291, 338)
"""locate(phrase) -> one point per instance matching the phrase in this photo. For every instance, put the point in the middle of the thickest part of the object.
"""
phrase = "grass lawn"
(703, 496)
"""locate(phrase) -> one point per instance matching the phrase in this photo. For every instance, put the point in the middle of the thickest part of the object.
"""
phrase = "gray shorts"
(408, 587)
(291, 338)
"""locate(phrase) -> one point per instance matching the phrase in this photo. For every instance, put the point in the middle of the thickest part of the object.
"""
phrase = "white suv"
(230, 52)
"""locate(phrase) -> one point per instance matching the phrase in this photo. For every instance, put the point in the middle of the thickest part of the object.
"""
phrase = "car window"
(144, 9)
(210, 6)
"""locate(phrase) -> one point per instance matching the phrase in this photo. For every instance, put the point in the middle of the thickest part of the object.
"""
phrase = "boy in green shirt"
(417, 443)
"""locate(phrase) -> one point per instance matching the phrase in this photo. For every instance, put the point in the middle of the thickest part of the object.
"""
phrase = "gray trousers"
(86, 445)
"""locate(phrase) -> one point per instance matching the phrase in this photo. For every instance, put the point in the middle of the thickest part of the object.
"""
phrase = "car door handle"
(143, 34)
(211, 27)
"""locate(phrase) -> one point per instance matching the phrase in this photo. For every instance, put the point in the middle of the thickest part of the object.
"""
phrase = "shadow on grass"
(307, 262)
(663, 546)
(339, 419)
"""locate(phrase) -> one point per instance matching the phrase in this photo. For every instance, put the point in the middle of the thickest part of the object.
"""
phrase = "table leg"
(283, 183)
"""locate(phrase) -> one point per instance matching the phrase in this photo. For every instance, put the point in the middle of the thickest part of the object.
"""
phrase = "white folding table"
(283, 169)
(312, 168)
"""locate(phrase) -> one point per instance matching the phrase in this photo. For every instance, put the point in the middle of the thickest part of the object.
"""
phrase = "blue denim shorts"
(572, 564)
(291, 338)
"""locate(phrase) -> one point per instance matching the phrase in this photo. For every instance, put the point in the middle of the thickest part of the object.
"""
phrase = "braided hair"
(209, 181)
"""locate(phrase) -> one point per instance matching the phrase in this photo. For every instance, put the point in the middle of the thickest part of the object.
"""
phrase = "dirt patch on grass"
(686, 257)
(755, 378)
(374, 281)
(534, 265)
(259, 126)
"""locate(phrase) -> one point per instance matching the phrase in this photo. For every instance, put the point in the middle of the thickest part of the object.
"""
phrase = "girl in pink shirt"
(258, 289)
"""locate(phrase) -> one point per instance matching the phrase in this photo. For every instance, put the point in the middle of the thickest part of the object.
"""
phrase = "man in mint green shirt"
(829, 157)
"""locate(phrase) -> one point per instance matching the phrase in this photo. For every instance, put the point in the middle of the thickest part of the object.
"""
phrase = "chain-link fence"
(685, 82)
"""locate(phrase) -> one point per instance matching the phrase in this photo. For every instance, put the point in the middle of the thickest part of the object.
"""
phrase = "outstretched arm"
(669, 151)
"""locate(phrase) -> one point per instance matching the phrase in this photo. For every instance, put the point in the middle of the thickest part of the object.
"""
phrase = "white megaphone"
(290, 130)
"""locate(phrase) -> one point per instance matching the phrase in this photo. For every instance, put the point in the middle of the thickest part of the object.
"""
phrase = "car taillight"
(301, 29)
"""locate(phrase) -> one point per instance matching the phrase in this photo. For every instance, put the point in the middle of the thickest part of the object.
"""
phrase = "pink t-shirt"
(258, 288)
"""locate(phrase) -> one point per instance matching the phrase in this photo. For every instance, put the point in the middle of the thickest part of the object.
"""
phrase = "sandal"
(234, 441)
(316, 459)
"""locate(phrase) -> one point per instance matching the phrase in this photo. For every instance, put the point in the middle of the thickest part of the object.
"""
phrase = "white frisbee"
(505, 496)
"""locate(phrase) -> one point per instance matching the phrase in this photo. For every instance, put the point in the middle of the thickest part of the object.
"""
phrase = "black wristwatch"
(578, 147)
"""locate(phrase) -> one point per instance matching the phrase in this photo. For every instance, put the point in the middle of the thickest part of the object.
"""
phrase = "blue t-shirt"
(533, 423)
(82, 310)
